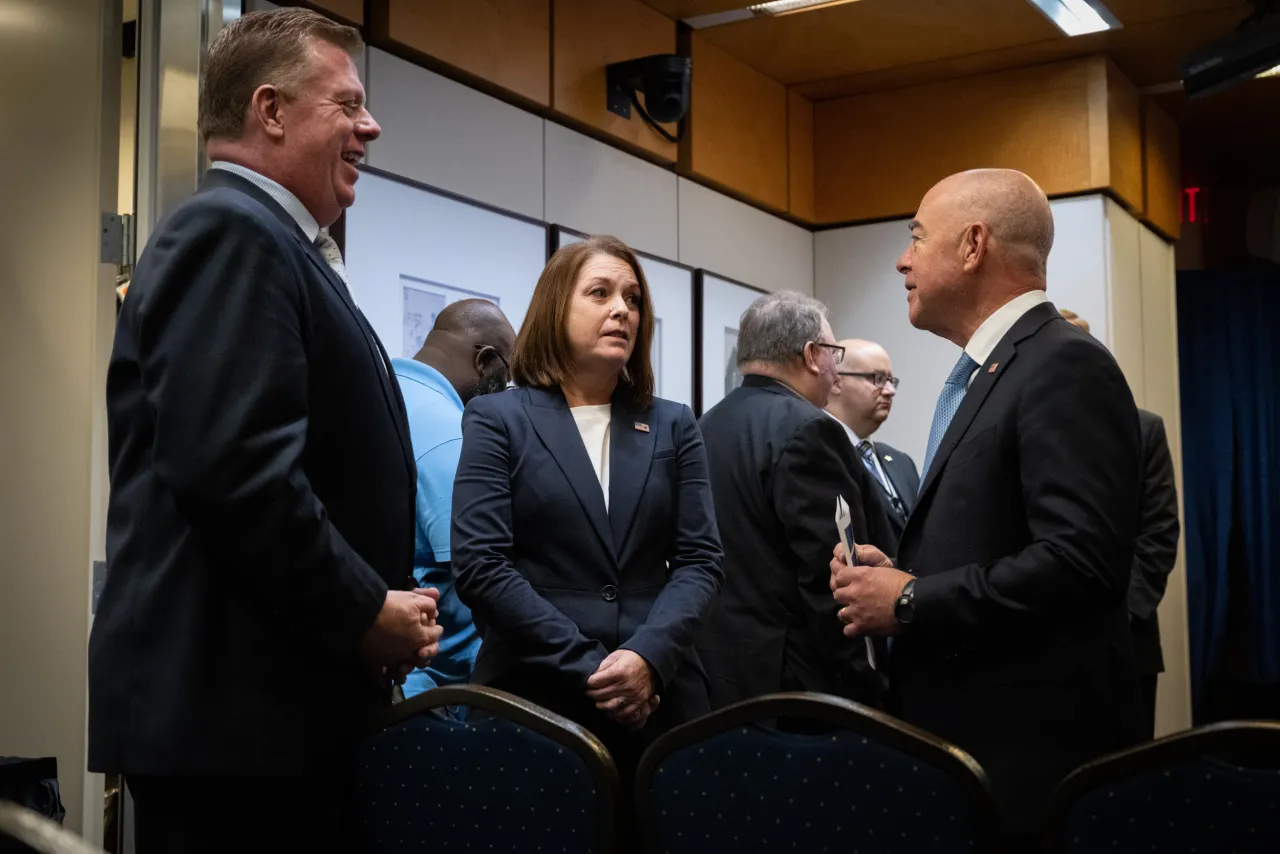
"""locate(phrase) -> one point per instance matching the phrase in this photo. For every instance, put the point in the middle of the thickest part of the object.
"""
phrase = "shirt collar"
(292, 206)
(853, 437)
(415, 371)
(996, 326)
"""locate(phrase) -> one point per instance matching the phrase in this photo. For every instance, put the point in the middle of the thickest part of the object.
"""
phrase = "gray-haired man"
(777, 463)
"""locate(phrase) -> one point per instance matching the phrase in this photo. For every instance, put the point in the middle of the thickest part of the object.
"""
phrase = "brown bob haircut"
(261, 48)
(542, 358)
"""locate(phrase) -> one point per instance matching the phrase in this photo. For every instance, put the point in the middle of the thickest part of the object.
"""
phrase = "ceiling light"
(760, 10)
(1270, 72)
(782, 7)
(1077, 17)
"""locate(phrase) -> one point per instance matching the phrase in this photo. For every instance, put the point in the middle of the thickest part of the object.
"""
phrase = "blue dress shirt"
(435, 429)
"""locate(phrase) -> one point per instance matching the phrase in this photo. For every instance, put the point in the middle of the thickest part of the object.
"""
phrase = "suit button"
(609, 593)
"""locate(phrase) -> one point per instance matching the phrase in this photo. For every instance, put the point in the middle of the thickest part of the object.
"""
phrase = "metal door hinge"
(117, 239)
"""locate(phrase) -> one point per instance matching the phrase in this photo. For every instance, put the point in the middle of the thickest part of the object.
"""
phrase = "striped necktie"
(953, 391)
(869, 460)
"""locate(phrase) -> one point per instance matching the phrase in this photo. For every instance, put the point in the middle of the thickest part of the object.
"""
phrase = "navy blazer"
(262, 501)
(557, 582)
(1021, 541)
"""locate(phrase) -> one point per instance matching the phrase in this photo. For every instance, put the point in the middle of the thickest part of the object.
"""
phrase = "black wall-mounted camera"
(663, 78)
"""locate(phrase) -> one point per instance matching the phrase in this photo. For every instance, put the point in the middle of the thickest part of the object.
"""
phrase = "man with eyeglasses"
(777, 464)
(467, 353)
(861, 400)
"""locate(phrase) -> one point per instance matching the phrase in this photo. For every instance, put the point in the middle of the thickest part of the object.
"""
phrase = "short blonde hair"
(261, 48)
(1074, 319)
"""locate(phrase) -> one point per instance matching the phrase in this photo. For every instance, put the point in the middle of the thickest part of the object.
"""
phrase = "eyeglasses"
(878, 379)
(837, 352)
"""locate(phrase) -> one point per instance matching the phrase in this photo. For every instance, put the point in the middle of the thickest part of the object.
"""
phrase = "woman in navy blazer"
(584, 539)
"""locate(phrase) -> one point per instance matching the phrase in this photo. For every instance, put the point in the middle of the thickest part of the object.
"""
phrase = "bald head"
(979, 239)
(862, 355)
(477, 320)
(470, 344)
(857, 398)
(1013, 207)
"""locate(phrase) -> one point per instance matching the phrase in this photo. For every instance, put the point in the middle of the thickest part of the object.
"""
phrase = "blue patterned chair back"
(1213, 790)
(25, 831)
(811, 773)
(513, 778)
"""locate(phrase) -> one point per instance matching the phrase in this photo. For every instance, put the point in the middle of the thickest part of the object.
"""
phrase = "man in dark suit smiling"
(262, 483)
(1009, 601)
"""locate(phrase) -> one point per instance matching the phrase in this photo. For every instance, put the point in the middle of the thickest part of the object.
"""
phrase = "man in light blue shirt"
(467, 353)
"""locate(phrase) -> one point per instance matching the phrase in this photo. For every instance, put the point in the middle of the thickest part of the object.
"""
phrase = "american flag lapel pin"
(643, 428)
(992, 369)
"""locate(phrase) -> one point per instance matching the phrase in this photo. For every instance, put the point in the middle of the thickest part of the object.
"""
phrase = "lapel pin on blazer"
(888, 459)
(643, 428)
(992, 369)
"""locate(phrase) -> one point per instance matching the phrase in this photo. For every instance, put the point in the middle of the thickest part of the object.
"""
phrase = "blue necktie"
(948, 404)
(867, 452)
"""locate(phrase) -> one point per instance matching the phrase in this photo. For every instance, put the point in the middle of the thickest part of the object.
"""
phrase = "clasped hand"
(404, 635)
(622, 688)
(868, 590)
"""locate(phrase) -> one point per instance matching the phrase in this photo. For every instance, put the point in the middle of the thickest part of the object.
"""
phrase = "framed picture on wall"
(719, 304)
(410, 250)
(671, 289)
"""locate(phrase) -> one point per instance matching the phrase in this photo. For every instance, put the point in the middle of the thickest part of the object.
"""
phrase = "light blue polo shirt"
(435, 429)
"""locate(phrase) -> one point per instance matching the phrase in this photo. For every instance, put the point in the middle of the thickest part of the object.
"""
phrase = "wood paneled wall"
(1072, 126)
(1161, 171)
(736, 135)
(351, 11)
(591, 34)
(800, 155)
(504, 42)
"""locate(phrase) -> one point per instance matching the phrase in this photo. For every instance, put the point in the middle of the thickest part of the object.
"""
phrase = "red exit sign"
(1194, 208)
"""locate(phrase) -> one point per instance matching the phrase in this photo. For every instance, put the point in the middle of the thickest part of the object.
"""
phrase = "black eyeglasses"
(878, 379)
(837, 351)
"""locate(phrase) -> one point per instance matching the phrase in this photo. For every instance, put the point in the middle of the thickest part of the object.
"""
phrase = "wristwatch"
(904, 610)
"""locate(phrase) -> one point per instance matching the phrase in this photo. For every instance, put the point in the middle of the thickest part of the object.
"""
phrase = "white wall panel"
(444, 134)
(1123, 331)
(1160, 372)
(597, 189)
(856, 277)
(733, 239)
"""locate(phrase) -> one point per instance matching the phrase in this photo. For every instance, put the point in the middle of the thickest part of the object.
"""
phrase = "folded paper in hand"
(844, 524)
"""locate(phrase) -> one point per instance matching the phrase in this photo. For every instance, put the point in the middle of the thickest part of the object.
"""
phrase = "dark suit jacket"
(1156, 549)
(902, 473)
(777, 464)
(262, 490)
(557, 582)
(1022, 541)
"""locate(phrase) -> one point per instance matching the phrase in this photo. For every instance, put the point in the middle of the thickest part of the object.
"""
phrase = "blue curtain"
(1229, 348)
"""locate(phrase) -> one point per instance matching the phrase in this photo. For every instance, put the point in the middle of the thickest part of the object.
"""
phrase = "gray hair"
(775, 328)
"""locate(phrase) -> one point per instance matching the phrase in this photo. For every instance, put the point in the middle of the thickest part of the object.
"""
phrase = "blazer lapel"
(989, 373)
(390, 388)
(554, 424)
(631, 455)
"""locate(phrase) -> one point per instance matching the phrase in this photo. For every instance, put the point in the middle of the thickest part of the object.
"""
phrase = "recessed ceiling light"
(760, 10)
(782, 7)
(1078, 17)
